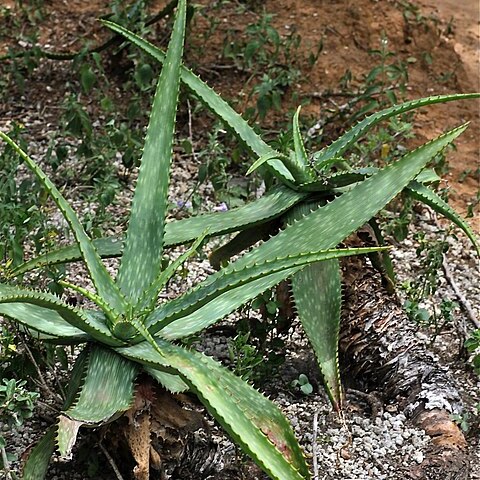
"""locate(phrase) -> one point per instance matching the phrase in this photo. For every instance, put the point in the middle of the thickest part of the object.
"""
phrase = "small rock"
(418, 456)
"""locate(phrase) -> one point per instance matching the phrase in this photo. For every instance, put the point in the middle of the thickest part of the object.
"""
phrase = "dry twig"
(315, 446)
(111, 461)
(465, 304)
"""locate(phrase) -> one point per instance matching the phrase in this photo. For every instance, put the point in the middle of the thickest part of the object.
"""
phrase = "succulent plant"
(129, 331)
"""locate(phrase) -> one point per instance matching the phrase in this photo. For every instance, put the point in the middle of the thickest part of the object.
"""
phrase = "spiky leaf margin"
(44, 321)
(273, 204)
(74, 316)
(254, 422)
(216, 104)
(142, 256)
(107, 391)
(348, 139)
(221, 302)
(193, 300)
(327, 226)
(101, 279)
(317, 294)
(429, 197)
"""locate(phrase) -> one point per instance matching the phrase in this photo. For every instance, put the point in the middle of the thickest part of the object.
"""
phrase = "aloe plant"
(128, 332)
(311, 174)
(304, 176)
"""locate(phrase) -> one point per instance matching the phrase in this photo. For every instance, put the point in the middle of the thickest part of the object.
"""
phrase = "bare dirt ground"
(466, 44)
(351, 29)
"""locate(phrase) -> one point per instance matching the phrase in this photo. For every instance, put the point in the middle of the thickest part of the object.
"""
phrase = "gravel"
(355, 447)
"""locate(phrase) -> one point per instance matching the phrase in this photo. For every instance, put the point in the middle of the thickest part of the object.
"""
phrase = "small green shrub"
(472, 345)
(16, 405)
(271, 61)
(21, 216)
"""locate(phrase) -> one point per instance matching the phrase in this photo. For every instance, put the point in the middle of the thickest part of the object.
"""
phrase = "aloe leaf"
(215, 103)
(99, 301)
(38, 459)
(344, 179)
(300, 151)
(317, 293)
(191, 301)
(264, 159)
(36, 465)
(433, 200)
(74, 316)
(382, 261)
(101, 279)
(242, 241)
(77, 376)
(322, 229)
(142, 256)
(216, 309)
(149, 298)
(301, 169)
(427, 176)
(107, 391)
(173, 383)
(347, 140)
(336, 180)
(254, 422)
(108, 247)
(273, 204)
(43, 320)
(329, 225)
(330, 182)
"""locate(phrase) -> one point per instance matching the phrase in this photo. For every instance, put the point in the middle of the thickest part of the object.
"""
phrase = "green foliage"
(257, 351)
(386, 77)
(472, 344)
(384, 144)
(421, 290)
(274, 161)
(99, 145)
(32, 9)
(468, 421)
(244, 357)
(430, 253)
(398, 218)
(302, 384)
(17, 404)
(222, 166)
(266, 56)
(128, 331)
(122, 317)
(7, 344)
(21, 215)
